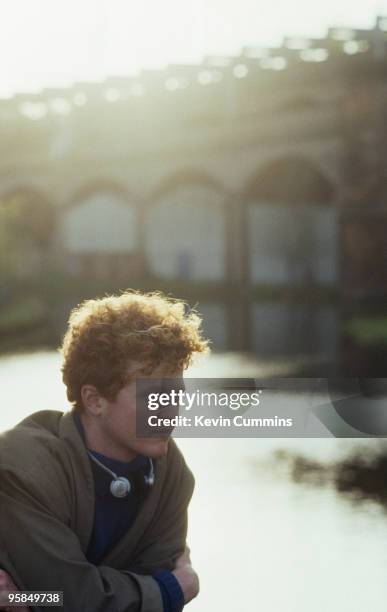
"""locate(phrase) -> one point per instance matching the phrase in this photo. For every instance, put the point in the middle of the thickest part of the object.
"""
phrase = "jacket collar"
(84, 496)
(83, 483)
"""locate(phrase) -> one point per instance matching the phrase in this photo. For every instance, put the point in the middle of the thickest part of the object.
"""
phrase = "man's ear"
(93, 402)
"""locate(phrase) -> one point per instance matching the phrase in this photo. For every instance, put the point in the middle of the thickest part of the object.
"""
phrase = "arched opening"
(292, 226)
(185, 233)
(290, 180)
(187, 176)
(99, 233)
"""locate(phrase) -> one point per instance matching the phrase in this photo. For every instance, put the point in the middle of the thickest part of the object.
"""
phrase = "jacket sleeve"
(165, 538)
(43, 553)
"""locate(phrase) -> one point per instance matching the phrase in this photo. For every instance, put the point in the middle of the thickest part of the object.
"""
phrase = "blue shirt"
(113, 516)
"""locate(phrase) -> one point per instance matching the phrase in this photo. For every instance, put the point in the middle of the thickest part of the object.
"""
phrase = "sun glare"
(48, 43)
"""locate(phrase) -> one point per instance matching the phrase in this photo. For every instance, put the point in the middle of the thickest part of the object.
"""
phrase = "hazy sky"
(50, 43)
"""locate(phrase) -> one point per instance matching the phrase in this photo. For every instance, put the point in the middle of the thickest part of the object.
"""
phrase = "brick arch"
(28, 186)
(290, 180)
(185, 229)
(94, 187)
(291, 224)
(183, 178)
(100, 230)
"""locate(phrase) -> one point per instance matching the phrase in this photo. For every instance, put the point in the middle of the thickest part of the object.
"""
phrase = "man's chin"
(153, 447)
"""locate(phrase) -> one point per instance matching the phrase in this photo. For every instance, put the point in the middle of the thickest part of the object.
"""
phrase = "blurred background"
(245, 177)
(231, 154)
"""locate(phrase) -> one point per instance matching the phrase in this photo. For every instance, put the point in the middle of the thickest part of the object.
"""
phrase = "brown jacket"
(46, 518)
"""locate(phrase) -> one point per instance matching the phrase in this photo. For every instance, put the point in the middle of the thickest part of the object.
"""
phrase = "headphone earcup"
(120, 487)
(149, 480)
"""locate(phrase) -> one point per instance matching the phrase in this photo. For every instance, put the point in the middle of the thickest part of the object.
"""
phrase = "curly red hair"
(105, 335)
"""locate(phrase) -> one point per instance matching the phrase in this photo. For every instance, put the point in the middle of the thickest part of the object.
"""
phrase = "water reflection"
(360, 476)
(259, 540)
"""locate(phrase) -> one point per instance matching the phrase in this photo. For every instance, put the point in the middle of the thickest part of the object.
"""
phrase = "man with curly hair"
(87, 506)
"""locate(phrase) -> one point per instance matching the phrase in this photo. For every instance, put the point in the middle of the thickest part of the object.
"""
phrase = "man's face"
(118, 419)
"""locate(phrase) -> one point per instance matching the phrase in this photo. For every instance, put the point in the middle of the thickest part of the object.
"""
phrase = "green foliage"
(21, 313)
(368, 331)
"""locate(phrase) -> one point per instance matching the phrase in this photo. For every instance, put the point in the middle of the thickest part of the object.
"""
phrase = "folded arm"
(47, 555)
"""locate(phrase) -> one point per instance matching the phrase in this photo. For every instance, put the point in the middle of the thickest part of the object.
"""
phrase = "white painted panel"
(267, 226)
(293, 244)
(101, 223)
(185, 235)
(327, 259)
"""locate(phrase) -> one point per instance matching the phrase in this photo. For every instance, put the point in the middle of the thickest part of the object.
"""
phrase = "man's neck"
(97, 441)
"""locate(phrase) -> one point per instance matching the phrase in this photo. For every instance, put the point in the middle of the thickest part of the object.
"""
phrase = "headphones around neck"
(120, 486)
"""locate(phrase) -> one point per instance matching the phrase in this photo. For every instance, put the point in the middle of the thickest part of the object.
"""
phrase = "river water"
(259, 541)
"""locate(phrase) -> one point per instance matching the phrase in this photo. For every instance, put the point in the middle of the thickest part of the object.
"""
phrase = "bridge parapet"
(218, 83)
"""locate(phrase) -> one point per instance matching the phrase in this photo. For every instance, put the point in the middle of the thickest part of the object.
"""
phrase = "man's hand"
(6, 585)
(186, 576)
